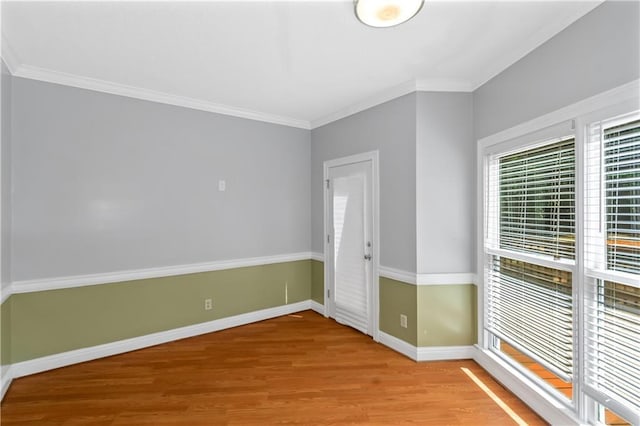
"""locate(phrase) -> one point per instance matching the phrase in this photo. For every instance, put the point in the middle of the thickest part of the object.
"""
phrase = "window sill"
(550, 409)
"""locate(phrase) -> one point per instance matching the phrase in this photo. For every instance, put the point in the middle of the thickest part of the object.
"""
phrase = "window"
(537, 192)
(530, 251)
(561, 257)
(612, 265)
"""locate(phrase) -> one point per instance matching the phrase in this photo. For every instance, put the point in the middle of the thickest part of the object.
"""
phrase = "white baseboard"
(445, 353)
(5, 379)
(38, 365)
(427, 353)
(549, 409)
(50, 362)
(317, 307)
(398, 345)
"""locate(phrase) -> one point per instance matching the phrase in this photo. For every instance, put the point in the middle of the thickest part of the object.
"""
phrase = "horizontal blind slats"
(531, 210)
(528, 309)
(612, 233)
(536, 200)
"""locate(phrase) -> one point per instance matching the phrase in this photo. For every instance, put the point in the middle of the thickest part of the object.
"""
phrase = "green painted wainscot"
(39, 324)
(437, 315)
(49, 322)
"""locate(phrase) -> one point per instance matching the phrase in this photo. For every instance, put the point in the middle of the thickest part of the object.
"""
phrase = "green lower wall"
(437, 315)
(5, 332)
(398, 298)
(54, 321)
(446, 315)
(43, 323)
(317, 281)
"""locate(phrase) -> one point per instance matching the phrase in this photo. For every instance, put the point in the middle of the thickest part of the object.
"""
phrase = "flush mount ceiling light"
(386, 13)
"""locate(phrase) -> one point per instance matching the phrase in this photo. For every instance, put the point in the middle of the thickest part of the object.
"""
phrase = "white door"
(350, 244)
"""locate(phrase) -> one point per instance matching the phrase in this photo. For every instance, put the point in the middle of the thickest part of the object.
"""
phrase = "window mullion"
(541, 260)
(582, 404)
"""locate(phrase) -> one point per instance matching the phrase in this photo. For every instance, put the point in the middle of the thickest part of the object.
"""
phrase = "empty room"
(373, 212)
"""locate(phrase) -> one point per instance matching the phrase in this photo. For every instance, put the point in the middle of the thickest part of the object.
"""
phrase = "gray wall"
(391, 129)
(598, 52)
(5, 190)
(107, 183)
(445, 183)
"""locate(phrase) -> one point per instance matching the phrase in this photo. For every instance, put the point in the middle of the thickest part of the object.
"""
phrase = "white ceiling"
(302, 63)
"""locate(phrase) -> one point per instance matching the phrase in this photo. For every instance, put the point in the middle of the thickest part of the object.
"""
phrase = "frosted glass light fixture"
(386, 13)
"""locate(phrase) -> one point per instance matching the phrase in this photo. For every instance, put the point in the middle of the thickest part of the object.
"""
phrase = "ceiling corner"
(9, 56)
(369, 102)
(444, 85)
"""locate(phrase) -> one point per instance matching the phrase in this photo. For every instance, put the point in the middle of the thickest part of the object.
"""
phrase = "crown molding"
(9, 56)
(17, 69)
(370, 102)
(88, 83)
(421, 85)
(103, 86)
(444, 85)
(73, 80)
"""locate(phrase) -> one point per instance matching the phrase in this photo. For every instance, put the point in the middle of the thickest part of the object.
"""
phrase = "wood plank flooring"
(296, 369)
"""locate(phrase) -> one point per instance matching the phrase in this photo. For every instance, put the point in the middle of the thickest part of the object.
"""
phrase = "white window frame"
(611, 115)
(623, 99)
(534, 140)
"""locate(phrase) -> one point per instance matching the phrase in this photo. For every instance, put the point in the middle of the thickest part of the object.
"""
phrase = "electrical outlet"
(208, 305)
(403, 321)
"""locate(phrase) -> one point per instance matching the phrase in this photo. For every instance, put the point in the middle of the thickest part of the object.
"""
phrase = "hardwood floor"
(296, 369)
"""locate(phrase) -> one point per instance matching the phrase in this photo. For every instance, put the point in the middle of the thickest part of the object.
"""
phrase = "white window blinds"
(531, 227)
(530, 307)
(622, 186)
(612, 260)
(537, 191)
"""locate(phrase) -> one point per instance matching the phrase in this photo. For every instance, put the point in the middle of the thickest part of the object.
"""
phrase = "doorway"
(351, 241)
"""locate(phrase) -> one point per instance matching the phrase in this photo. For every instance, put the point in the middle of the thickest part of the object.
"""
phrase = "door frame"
(374, 307)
